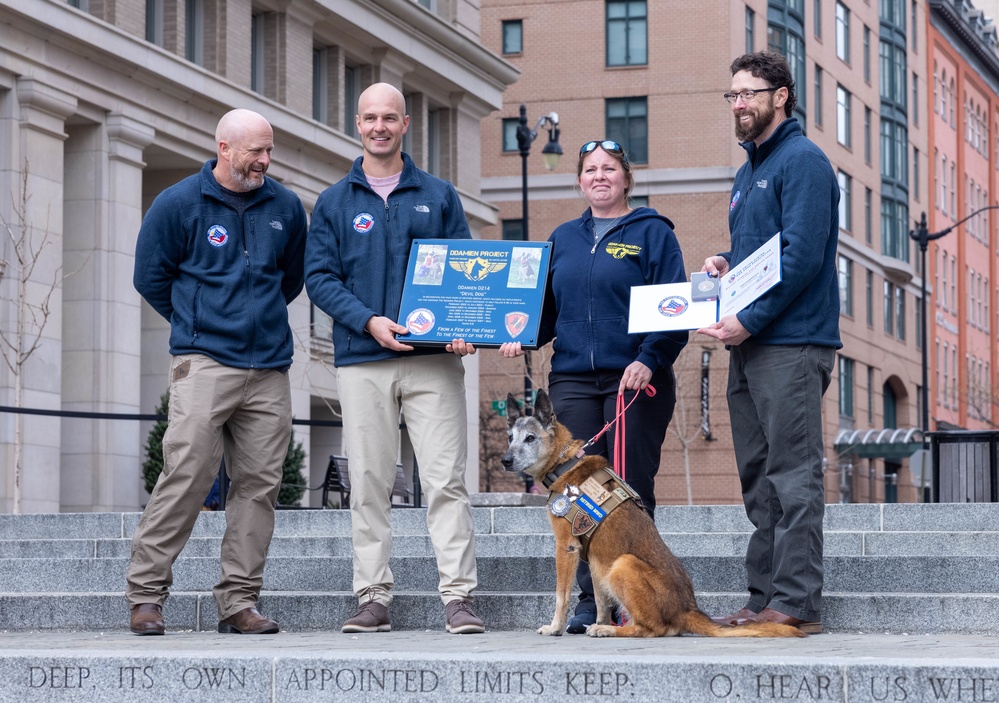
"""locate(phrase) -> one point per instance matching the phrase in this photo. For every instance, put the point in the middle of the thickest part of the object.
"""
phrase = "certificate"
(486, 292)
(672, 306)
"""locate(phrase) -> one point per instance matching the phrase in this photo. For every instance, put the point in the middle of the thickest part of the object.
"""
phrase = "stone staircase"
(911, 602)
(889, 568)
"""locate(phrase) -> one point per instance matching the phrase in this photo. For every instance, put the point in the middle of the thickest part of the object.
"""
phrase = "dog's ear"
(543, 410)
(512, 409)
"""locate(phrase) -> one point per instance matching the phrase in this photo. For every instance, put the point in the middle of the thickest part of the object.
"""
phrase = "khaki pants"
(246, 413)
(430, 391)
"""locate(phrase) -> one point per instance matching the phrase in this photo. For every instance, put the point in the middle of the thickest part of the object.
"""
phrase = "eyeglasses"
(747, 95)
(606, 145)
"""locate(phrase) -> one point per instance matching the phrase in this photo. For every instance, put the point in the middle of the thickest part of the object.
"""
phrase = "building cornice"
(949, 13)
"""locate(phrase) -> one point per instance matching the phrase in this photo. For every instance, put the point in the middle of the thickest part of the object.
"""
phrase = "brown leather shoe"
(248, 622)
(770, 615)
(733, 618)
(147, 619)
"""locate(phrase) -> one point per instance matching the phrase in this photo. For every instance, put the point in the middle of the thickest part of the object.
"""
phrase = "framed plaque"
(486, 292)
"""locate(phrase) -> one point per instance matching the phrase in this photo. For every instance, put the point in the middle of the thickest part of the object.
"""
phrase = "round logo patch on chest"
(364, 222)
(217, 235)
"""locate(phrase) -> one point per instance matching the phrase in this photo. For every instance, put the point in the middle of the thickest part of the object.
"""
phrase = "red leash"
(619, 432)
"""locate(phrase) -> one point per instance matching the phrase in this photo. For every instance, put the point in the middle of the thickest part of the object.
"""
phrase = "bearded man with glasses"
(782, 345)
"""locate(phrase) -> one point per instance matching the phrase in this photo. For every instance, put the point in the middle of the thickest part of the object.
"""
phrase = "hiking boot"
(370, 617)
(461, 620)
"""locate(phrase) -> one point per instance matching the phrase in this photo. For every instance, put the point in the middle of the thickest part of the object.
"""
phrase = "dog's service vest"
(586, 506)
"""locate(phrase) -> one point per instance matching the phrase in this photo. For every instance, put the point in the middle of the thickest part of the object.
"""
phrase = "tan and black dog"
(596, 516)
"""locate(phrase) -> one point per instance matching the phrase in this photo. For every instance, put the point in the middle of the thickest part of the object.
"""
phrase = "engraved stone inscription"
(889, 688)
(135, 677)
(973, 689)
(792, 687)
(597, 683)
(515, 682)
(58, 676)
(388, 680)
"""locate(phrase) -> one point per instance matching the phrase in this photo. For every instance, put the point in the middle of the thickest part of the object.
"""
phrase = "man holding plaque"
(356, 259)
(782, 344)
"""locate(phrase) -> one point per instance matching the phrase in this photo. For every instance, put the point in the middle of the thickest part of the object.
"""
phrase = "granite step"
(517, 667)
(856, 612)
(492, 545)
(866, 518)
(934, 574)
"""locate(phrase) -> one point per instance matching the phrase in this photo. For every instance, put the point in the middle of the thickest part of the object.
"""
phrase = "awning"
(889, 443)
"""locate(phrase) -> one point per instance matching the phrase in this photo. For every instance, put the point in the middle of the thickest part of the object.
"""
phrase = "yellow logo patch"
(619, 251)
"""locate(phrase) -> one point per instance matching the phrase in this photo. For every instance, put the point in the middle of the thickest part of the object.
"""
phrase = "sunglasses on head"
(606, 145)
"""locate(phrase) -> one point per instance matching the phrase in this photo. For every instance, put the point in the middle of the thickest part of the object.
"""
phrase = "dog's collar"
(552, 476)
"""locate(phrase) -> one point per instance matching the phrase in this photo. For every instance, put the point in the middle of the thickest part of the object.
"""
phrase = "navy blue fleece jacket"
(787, 185)
(358, 252)
(223, 280)
(590, 290)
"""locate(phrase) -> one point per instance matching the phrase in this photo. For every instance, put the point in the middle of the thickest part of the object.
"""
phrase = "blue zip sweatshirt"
(224, 281)
(787, 185)
(591, 288)
(358, 252)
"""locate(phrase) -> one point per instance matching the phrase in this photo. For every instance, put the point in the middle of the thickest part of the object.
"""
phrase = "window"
(510, 125)
(869, 297)
(842, 116)
(867, 53)
(319, 84)
(786, 35)
(257, 53)
(845, 286)
(842, 32)
(322, 328)
(818, 96)
(627, 33)
(867, 134)
(915, 32)
(915, 100)
(750, 30)
(154, 22)
(918, 310)
(889, 308)
(870, 396)
(429, 4)
(627, 122)
(943, 186)
(351, 94)
(513, 36)
(194, 14)
(817, 18)
(900, 313)
(943, 288)
(845, 201)
(845, 386)
(868, 211)
(434, 142)
(915, 174)
(513, 229)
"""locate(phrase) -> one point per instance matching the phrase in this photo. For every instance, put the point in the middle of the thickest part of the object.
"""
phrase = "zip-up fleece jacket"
(787, 185)
(358, 252)
(591, 286)
(224, 281)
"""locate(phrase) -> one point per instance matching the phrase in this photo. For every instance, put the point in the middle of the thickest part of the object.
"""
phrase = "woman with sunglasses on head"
(595, 261)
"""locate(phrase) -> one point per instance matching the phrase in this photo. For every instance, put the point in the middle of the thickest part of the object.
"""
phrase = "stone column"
(40, 111)
(102, 330)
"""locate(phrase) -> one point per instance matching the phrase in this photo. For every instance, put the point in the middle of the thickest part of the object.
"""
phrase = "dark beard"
(760, 122)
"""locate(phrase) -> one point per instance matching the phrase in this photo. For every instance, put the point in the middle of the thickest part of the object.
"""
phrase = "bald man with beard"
(220, 255)
(359, 242)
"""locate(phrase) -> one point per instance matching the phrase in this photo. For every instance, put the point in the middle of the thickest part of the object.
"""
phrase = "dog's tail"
(698, 623)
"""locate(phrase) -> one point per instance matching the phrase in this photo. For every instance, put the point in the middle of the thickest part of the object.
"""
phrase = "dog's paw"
(601, 631)
(550, 631)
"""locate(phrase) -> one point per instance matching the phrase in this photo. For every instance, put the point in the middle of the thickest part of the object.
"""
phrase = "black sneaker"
(580, 621)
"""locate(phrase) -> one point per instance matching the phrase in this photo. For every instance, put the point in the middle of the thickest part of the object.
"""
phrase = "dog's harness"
(586, 506)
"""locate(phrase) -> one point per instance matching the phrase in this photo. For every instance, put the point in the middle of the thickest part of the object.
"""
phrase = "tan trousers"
(430, 392)
(214, 408)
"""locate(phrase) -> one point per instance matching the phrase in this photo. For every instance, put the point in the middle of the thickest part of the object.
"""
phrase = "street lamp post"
(552, 151)
(923, 237)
